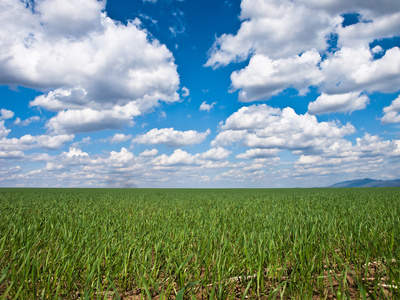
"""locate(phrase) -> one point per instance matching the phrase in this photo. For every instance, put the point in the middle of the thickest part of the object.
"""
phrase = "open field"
(199, 244)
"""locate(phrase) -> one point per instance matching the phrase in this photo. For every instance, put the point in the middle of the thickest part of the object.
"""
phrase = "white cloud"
(354, 69)
(264, 127)
(74, 152)
(276, 34)
(53, 167)
(377, 49)
(171, 137)
(179, 24)
(182, 158)
(11, 154)
(3, 130)
(275, 29)
(46, 141)
(94, 63)
(242, 177)
(258, 153)
(206, 107)
(121, 158)
(283, 28)
(369, 156)
(6, 114)
(179, 157)
(366, 147)
(392, 112)
(374, 28)
(61, 99)
(26, 122)
(348, 102)
(89, 120)
(215, 154)
(78, 168)
(120, 138)
(309, 159)
(185, 92)
(81, 16)
(372, 8)
(264, 77)
(85, 141)
(149, 153)
(374, 146)
(26, 142)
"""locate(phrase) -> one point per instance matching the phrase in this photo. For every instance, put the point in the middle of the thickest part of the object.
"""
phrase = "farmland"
(199, 244)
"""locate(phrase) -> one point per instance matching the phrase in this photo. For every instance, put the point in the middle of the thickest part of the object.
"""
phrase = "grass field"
(200, 244)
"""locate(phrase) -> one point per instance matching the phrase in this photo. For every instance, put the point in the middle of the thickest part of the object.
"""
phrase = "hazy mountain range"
(367, 182)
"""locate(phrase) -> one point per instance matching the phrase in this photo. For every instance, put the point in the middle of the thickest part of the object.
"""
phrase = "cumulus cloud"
(89, 120)
(264, 127)
(78, 168)
(6, 114)
(114, 159)
(94, 63)
(242, 177)
(258, 153)
(179, 157)
(171, 137)
(369, 155)
(392, 112)
(120, 138)
(283, 28)
(372, 8)
(371, 28)
(309, 159)
(28, 141)
(75, 152)
(121, 158)
(218, 153)
(3, 130)
(303, 43)
(355, 69)
(11, 154)
(27, 121)
(121, 168)
(149, 153)
(85, 141)
(348, 102)
(50, 166)
(264, 77)
(276, 29)
(206, 107)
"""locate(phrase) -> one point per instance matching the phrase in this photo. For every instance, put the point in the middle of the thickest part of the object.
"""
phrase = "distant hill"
(367, 182)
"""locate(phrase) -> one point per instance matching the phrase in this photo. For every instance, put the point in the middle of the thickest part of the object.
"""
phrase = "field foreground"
(200, 244)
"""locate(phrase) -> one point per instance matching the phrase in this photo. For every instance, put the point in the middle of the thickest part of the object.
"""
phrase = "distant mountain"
(367, 182)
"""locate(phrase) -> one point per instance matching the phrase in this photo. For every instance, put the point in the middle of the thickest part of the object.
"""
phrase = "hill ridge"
(367, 182)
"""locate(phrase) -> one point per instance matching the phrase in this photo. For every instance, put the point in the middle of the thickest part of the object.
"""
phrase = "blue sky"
(198, 93)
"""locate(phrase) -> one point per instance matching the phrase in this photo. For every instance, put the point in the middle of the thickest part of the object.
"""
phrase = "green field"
(200, 244)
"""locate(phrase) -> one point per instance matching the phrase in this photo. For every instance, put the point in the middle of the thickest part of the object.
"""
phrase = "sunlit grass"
(191, 244)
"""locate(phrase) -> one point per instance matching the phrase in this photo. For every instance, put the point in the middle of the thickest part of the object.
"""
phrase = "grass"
(199, 244)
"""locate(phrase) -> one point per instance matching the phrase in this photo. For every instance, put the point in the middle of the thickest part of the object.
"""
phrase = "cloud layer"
(264, 127)
(108, 108)
(95, 70)
(303, 43)
(171, 137)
